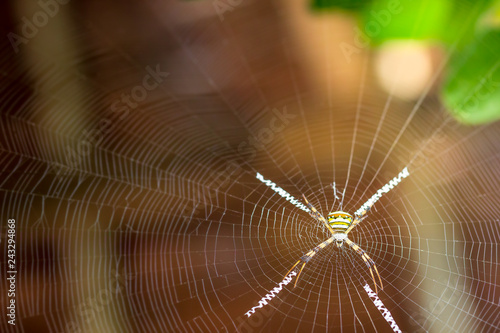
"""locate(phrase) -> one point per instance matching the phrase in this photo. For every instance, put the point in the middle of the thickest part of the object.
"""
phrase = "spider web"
(151, 218)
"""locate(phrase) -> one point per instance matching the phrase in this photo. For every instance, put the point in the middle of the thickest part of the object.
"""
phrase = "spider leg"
(317, 216)
(369, 262)
(297, 279)
(306, 257)
(291, 269)
(357, 219)
(365, 208)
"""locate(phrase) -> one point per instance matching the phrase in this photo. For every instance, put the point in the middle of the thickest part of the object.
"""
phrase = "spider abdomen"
(339, 221)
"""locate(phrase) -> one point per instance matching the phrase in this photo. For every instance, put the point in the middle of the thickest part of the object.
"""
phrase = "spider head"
(339, 239)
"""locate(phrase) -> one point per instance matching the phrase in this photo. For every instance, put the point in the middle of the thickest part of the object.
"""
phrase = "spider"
(339, 224)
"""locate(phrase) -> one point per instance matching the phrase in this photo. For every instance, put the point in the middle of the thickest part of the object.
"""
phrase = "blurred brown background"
(131, 134)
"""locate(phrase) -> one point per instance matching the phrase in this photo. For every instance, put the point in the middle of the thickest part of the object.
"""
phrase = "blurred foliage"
(447, 21)
(472, 86)
(339, 4)
(466, 28)
(424, 19)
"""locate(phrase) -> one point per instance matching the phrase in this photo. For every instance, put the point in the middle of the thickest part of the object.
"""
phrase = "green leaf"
(448, 21)
(471, 90)
(463, 21)
(405, 19)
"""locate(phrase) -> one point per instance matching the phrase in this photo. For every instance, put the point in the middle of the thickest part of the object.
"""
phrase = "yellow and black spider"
(339, 224)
